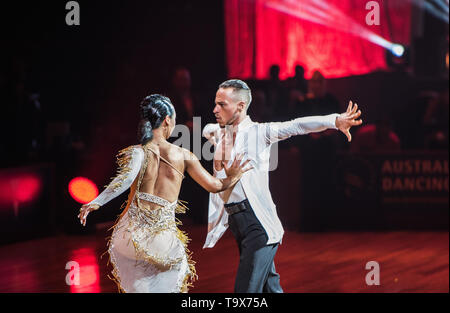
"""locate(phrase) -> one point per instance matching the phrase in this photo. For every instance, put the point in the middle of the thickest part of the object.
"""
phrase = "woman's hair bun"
(154, 109)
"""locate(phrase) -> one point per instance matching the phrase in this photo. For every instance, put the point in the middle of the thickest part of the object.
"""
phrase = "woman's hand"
(207, 181)
(236, 169)
(85, 210)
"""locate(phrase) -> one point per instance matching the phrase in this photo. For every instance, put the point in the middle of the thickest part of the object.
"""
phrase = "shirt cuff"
(331, 120)
(210, 128)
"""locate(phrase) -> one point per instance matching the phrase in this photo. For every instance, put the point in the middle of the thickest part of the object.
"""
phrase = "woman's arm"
(209, 182)
(129, 162)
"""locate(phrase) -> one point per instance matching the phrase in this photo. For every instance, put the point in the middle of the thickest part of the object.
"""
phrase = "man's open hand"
(348, 119)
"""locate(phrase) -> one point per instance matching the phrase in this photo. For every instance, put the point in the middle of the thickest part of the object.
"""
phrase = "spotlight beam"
(283, 9)
(432, 10)
(307, 11)
(314, 11)
(327, 11)
(436, 13)
(441, 5)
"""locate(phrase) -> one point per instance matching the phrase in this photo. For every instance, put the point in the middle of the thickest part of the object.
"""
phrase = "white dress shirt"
(255, 140)
(238, 193)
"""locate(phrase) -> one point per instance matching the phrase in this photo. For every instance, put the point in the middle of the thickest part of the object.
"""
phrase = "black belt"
(235, 207)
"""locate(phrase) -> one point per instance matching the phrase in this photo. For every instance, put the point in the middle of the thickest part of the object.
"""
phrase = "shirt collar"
(246, 123)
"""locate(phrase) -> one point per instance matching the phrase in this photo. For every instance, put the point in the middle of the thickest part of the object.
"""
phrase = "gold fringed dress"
(146, 249)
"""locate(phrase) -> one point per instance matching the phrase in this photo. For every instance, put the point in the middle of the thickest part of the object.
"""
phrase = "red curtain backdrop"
(258, 36)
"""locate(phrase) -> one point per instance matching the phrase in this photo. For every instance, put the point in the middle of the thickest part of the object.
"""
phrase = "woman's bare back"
(161, 179)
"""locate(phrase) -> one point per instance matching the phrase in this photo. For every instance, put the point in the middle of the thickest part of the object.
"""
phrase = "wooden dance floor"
(307, 262)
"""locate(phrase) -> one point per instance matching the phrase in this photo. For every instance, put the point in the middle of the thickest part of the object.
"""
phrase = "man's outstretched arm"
(277, 131)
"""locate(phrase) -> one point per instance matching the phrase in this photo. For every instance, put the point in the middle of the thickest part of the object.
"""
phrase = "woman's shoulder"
(178, 153)
(177, 150)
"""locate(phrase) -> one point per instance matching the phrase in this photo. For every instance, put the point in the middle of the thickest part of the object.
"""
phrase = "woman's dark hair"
(154, 109)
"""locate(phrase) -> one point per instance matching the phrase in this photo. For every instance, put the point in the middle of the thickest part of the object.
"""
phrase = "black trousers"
(256, 272)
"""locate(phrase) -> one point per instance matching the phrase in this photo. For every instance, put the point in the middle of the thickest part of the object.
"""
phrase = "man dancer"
(247, 208)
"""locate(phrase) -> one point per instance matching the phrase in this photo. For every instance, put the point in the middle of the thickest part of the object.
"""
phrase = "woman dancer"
(147, 250)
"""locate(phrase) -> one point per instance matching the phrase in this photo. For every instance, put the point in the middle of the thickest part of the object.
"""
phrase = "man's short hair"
(238, 85)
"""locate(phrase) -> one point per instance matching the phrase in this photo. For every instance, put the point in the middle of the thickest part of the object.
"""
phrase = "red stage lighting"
(19, 188)
(28, 188)
(82, 190)
(87, 270)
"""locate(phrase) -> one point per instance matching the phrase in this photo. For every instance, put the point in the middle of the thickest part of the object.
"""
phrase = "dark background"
(91, 78)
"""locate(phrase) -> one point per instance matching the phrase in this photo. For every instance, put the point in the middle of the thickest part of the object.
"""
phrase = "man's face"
(228, 106)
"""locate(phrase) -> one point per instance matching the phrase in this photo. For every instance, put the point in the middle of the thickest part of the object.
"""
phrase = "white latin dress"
(146, 249)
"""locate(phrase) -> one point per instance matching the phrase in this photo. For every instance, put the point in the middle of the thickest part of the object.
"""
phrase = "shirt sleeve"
(129, 162)
(276, 131)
